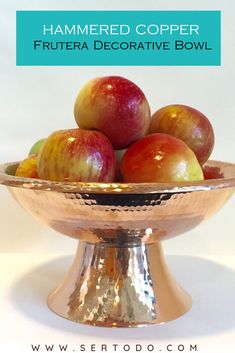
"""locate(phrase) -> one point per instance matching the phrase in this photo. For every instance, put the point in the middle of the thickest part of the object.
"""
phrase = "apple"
(160, 158)
(119, 154)
(36, 146)
(77, 155)
(28, 167)
(115, 106)
(187, 124)
(211, 172)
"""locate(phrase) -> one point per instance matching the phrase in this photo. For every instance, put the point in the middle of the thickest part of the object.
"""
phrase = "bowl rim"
(115, 187)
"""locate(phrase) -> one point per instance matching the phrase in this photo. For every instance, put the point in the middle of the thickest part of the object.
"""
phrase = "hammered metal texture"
(121, 217)
(119, 277)
(130, 219)
(119, 287)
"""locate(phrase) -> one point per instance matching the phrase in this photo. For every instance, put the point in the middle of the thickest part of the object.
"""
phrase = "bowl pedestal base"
(126, 286)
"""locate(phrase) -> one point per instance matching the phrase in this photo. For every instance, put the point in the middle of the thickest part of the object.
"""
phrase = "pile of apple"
(118, 140)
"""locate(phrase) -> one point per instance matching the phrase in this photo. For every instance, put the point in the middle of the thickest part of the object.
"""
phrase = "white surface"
(27, 279)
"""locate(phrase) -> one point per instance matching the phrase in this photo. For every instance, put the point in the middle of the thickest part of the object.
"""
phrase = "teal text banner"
(118, 38)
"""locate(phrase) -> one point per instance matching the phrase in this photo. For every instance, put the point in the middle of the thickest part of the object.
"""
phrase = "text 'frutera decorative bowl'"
(119, 277)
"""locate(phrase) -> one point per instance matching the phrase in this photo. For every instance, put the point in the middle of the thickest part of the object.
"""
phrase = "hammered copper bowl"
(119, 277)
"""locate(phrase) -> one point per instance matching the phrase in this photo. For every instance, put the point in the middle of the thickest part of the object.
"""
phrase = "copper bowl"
(119, 277)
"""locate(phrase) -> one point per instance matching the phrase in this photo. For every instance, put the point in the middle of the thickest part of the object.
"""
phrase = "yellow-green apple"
(160, 158)
(77, 155)
(28, 167)
(36, 147)
(187, 124)
(119, 154)
(115, 106)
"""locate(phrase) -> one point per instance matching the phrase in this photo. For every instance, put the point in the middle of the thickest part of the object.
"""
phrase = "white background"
(34, 101)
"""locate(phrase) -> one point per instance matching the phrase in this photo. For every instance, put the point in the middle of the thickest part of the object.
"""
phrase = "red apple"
(160, 158)
(187, 124)
(115, 106)
(28, 167)
(77, 155)
(212, 172)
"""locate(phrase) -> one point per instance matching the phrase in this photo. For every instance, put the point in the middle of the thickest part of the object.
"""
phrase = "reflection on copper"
(119, 277)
